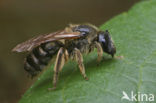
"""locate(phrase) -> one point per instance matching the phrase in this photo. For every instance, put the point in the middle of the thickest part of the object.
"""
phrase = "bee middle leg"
(79, 59)
(62, 57)
(99, 51)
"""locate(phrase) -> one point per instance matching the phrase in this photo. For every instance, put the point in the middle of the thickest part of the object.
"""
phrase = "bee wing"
(36, 41)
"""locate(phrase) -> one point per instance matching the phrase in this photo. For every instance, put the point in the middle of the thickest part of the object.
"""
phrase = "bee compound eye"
(102, 38)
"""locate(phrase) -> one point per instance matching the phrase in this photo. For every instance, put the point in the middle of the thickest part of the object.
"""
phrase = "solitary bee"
(71, 43)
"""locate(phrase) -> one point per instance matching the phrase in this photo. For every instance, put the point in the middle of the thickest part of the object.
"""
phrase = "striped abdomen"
(40, 57)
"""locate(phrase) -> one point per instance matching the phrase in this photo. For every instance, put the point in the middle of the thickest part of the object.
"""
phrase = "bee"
(70, 43)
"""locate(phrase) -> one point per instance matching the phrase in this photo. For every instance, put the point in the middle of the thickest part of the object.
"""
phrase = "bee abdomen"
(40, 57)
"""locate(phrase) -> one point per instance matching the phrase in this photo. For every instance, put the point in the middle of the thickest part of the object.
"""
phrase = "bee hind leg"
(62, 56)
(79, 59)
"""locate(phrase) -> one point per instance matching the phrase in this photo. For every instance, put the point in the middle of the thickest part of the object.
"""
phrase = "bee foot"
(99, 60)
(119, 57)
(86, 78)
(50, 89)
(98, 64)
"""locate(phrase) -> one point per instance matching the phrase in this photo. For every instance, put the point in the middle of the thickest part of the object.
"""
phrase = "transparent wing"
(36, 41)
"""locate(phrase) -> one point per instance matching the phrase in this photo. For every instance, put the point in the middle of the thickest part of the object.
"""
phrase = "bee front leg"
(59, 63)
(99, 51)
(79, 59)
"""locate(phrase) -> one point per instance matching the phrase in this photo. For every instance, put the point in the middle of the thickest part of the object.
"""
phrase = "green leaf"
(134, 33)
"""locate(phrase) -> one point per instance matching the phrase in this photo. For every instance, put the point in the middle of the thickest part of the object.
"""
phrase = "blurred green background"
(23, 19)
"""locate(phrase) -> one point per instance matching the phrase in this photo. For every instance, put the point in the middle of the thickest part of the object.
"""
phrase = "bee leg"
(66, 55)
(79, 58)
(59, 63)
(99, 51)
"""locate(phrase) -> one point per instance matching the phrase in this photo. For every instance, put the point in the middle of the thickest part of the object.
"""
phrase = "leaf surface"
(134, 33)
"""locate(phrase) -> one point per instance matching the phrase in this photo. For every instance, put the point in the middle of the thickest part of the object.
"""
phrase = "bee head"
(106, 42)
